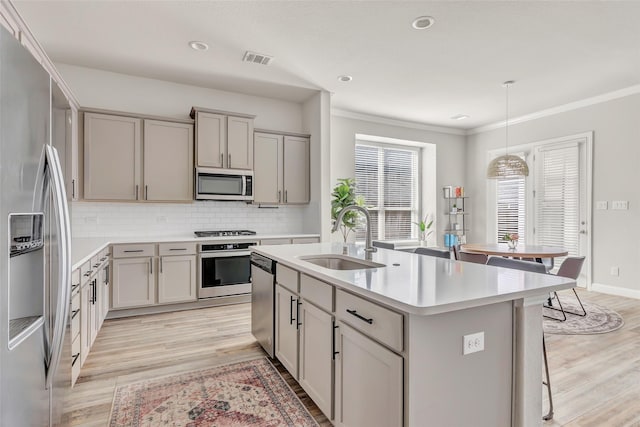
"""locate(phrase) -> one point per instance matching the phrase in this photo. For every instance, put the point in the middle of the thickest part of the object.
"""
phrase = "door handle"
(279, 195)
(333, 340)
(136, 191)
(583, 231)
(146, 192)
(291, 319)
(285, 196)
(298, 324)
(73, 188)
(160, 265)
(229, 160)
(359, 316)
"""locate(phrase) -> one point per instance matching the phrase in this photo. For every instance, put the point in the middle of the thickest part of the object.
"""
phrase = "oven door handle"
(224, 254)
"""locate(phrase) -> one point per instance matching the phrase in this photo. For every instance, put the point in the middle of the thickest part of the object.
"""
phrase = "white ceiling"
(558, 52)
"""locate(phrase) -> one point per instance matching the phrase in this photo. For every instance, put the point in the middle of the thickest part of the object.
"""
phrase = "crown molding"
(631, 90)
(395, 122)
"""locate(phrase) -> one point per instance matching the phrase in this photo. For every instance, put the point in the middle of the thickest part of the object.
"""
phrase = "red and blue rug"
(248, 393)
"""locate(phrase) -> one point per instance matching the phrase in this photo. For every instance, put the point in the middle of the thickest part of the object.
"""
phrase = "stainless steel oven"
(224, 184)
(225, 269)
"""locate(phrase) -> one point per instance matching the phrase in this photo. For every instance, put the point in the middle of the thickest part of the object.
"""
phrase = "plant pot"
(512, 244)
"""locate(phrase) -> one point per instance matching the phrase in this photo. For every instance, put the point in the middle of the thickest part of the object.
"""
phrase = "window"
(510, 198)
(388, 179)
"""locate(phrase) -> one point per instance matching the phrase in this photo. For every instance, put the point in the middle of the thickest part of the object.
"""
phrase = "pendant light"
(507, 166)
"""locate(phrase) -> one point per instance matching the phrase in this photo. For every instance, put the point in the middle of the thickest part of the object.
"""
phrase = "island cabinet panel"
(316, 356)
(368, 382)
(287, 325)
(378, 322)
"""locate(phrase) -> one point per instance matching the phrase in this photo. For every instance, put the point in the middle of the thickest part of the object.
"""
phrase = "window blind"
(388, 179)
(510, 197)
(558, 197)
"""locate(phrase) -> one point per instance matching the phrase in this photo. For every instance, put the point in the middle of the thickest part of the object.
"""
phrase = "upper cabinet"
(112, 151)
(223, 140)
(281, 168)
(121, 162)
(168, 161)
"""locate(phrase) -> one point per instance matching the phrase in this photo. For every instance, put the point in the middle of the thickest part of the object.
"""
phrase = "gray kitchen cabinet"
(133, 282)
(112, 151)
(168, 161)
(368, 382)
(223, 140)
(287, 326)
(281, 168)
(177, 279)
(86, 293)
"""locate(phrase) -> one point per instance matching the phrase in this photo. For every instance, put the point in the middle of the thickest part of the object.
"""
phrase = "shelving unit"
(456, 220)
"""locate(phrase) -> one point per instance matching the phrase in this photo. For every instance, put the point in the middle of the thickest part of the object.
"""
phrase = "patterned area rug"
(599, 320)
(248, 393)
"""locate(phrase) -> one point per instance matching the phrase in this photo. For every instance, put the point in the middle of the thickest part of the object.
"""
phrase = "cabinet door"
(74, 157)
(267, 168)
(133, 282)
(211, 139)
(239, 143)
(177, 279)
(94, 318)
(316, 356)
(111, 157)
(368, 385)
(296, 170)
(168, 161)
(287, 330)
(85, 321)
(105, 294)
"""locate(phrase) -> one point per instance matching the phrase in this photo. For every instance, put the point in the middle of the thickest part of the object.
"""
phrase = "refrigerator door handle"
(50, 176)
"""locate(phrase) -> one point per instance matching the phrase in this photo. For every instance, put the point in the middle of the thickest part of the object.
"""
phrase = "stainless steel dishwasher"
(263, 278)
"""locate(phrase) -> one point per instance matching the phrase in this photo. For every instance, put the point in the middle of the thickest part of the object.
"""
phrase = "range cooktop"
(220, 233)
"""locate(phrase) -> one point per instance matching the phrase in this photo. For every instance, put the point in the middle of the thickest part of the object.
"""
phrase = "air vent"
(257, 58)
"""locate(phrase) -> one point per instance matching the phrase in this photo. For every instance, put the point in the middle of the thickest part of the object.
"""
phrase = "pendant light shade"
(507, 166)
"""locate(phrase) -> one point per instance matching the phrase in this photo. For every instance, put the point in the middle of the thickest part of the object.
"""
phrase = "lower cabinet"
(368, 382)
(104, 287)
(287, 310)
(86, 293)
(177, 279)
(133, 282)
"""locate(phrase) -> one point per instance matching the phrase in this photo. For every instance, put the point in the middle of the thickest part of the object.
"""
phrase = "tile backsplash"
(137, 219)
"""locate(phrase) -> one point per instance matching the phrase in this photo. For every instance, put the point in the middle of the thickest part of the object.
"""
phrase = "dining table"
(537, 252)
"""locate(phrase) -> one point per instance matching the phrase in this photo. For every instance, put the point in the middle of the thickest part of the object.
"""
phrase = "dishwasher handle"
(263, 263)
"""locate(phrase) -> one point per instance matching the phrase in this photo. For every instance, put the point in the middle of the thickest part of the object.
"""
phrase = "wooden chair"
(477, 258)
(534, 267)
(440, 253)
(383, 244)
(570, 268)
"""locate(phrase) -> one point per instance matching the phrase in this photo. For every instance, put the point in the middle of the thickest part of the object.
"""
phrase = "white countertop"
(82, 249)
(419, 284)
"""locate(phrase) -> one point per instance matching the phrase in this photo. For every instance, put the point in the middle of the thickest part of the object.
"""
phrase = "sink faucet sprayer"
(368, 249)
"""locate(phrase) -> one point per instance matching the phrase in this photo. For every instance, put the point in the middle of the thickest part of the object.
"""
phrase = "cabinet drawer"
(132, 251)
(299, 240)
(374, 320)
(75, 281)
(103, 255)
(317, 292)
(176, 249)
(75, 360)
(275, 241)
(85, 272)
(287, 277)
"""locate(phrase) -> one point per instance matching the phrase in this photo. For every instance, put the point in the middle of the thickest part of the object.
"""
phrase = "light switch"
(602, 205)
(620, 205)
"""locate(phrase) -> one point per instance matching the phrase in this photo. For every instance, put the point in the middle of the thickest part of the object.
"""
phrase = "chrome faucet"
(368, 249)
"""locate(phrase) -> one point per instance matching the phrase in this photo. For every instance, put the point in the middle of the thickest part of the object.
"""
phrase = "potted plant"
(424, 227)
(344, 194)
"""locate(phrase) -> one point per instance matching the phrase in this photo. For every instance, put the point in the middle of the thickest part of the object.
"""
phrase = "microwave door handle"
(50, 175)
(244, 185)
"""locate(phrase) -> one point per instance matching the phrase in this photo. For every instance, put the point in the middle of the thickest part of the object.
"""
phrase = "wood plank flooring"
(595, 378)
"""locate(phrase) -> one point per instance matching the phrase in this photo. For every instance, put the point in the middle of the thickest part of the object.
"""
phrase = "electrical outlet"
(473, 343)
(602, 206)
(615, 271)
(620, 205)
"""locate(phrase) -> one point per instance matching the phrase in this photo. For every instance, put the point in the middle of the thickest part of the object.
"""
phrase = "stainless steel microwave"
(224, 184)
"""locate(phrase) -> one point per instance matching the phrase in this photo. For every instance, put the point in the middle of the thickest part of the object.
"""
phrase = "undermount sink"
(340, 262)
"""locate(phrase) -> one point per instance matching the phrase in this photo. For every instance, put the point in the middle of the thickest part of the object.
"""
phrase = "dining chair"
(383, 244)
(534, 267)
(477, 258)
(569, 268)
(456, 252)
(440, 253)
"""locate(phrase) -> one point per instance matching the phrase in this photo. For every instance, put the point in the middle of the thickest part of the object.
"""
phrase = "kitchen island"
(386, 346)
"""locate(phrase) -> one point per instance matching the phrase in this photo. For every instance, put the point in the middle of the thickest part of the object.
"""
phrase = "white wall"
(616, 154)
(450, 156)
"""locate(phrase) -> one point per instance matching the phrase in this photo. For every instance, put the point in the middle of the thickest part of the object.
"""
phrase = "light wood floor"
(595, 378)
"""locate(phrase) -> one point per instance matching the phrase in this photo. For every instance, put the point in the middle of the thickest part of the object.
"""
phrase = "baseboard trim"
(616, 290)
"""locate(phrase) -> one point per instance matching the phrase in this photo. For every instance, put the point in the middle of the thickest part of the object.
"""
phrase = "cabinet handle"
(333, 340)
(298, 324)
(133, 250)
(96, 265)
(160, 265)
(146, 192)
(87, 274)
(178, 249)
(364, 319)
(95, 289)
(74, 313)
(285, 196)
(103, 258)
(221, 160)
(73, 188)
(136, 191)
(151, 266)
(75, 358)
(229, 160)
(279, 195)
(291, 319)
(74, 287)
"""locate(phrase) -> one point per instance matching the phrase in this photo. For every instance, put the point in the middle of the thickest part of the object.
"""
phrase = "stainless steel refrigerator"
(34, 245)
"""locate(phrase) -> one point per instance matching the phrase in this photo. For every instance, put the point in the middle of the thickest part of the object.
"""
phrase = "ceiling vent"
(257, 58)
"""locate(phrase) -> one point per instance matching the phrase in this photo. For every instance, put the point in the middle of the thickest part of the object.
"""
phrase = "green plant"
(344, 194)
(425, 227)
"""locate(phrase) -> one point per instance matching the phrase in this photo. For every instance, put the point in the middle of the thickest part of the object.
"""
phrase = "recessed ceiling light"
(460, 117)
(345, 78)
(198, 45)
(423, 22)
